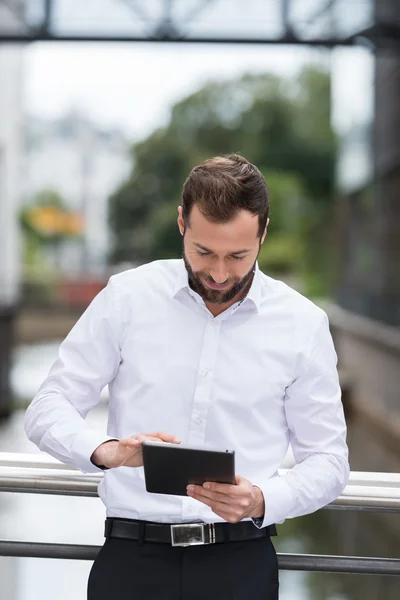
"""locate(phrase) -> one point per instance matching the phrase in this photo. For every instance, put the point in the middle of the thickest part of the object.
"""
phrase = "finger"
(212, 504)
(241, 480)
(147, 437)
(198, 492)
(227, 512)
(223, 488)
(165, 437)
(238, 505)
(130, 442)
(241, 486)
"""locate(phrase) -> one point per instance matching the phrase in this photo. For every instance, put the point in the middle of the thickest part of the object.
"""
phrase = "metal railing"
(41, 474)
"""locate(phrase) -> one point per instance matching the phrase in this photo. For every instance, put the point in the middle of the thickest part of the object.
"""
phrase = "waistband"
(184, 534)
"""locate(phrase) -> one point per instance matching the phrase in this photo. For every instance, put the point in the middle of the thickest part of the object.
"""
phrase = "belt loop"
(141, 528)
(107, 529)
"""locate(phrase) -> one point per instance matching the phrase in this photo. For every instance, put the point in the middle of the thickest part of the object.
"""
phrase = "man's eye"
(238, 257)
(203, 253)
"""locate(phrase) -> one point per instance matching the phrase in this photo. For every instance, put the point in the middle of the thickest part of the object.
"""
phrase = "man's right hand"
(127, 452)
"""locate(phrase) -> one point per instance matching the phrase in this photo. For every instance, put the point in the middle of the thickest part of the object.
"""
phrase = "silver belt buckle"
(191, 534)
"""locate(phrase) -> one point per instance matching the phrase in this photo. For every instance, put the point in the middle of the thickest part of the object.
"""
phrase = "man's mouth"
(217, 286)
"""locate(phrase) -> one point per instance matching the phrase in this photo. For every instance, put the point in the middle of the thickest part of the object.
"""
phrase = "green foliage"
(282, 254)
(49, 197)
(166, 241)
(46, 224)
(281, 126)
(46, 198)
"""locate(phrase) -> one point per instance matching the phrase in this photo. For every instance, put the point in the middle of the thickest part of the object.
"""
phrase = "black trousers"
(131, 570)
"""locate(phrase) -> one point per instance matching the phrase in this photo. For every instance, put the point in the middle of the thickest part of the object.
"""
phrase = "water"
(41, 518)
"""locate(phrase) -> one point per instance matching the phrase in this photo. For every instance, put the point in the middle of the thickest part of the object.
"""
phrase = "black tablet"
(169, 468)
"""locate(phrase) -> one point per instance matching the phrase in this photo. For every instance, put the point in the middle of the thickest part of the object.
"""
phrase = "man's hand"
(127, 452)
(231, 502)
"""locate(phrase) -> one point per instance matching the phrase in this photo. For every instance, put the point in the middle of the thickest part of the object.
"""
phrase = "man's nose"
(219, 274)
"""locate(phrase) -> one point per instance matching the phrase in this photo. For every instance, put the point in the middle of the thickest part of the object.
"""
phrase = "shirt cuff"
(83, 447)
(278, 500)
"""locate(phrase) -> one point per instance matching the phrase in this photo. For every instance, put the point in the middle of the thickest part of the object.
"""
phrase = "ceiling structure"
(326, 23)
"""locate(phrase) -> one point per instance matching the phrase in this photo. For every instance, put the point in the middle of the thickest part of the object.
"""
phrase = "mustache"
(211, 280)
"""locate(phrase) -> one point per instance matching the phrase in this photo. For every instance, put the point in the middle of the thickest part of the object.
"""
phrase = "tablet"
(169, 468)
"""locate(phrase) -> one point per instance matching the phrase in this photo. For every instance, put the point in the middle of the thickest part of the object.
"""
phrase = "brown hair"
(222, 186)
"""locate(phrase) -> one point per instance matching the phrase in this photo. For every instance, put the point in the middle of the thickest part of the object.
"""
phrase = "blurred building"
(367, 319)
(353, 114)
(368, 171)
(84, 164)
(385, 296)
(11, 154)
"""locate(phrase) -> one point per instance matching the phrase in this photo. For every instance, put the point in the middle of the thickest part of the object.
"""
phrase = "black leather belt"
(185, 534)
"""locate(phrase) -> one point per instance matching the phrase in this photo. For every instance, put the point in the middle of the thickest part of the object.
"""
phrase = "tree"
(280, 125)
(47, 223)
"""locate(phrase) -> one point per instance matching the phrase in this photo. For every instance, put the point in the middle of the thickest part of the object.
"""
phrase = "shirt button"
(204, 372)
(189, 509)
(199, 420)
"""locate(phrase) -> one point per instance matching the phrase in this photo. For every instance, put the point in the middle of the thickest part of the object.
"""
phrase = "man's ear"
(181, 222)
(265, 232)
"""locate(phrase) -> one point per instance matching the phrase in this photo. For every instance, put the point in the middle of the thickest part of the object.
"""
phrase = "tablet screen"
(169, 468)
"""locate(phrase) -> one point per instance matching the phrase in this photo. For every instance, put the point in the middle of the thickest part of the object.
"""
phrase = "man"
(208, 351)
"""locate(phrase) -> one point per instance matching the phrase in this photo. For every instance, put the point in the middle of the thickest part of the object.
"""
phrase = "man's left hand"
(231, 502)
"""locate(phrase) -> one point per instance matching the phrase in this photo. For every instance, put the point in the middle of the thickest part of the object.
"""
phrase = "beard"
(216, 296)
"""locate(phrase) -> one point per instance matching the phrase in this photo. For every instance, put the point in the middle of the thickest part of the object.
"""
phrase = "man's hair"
(224, 185)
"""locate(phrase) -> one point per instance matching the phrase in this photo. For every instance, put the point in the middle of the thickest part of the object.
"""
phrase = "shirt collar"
(182, 280)
(254, 293)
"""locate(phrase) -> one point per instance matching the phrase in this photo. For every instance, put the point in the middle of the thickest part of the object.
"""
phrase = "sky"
(134, 86)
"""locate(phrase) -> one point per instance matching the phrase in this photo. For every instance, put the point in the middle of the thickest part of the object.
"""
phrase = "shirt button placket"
(202, 396)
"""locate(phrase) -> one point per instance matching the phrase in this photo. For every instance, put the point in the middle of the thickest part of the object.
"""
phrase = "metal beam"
(166, 29)
(287, 562)
(197, 9)
(47, 19)
(39, 37)
(168, 9)
(285, 12)
(364, 491)
(377, 37)
(319, 12)
(136, 8)
(16, 10)
(380, 36)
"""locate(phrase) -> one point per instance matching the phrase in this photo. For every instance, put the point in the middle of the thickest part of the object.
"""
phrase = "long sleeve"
(88, 360)
(317, 430)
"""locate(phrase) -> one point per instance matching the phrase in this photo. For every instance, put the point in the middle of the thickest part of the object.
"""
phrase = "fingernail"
(190, 489)
(206, 486)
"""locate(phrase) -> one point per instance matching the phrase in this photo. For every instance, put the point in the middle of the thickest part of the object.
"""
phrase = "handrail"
(41, 474)
(40, 460)
(287, 561)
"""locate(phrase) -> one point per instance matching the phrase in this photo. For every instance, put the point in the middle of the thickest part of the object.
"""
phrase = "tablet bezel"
(170, 468)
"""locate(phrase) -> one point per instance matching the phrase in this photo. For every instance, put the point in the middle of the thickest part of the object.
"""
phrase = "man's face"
(220, 257)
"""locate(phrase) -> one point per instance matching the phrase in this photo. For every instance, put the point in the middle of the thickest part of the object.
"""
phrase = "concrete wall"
(369, 355)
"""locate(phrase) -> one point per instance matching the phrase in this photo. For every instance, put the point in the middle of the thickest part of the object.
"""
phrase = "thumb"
(129, 442)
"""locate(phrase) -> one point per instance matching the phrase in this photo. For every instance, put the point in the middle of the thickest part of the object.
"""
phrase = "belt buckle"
(191, 534)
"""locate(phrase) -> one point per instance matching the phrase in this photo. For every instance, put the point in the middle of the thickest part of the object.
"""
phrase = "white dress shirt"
(253, 379)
